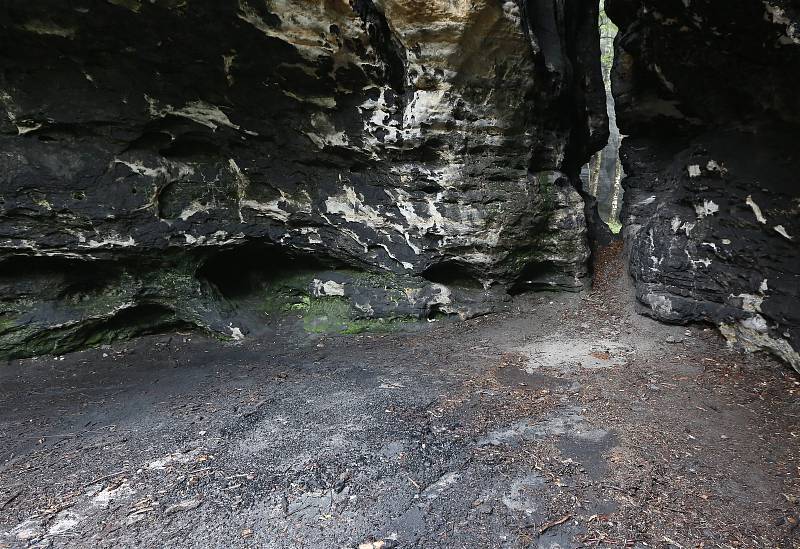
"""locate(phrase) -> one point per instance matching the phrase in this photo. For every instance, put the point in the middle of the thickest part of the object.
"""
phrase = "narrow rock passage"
(567, 421)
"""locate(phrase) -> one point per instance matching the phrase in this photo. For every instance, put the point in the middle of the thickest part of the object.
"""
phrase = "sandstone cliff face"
(432, 141)
(707, 92)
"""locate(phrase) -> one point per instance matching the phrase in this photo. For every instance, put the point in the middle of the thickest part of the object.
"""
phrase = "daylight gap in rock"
(602, 176)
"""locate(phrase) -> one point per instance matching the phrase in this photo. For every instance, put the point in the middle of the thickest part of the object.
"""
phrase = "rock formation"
(157, 153)
(707, 92)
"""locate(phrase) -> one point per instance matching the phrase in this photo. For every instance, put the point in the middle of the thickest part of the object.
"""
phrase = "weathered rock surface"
(708, 93)
(420, 138)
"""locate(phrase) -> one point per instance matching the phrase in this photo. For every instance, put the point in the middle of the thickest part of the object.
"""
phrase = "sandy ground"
(568, 421)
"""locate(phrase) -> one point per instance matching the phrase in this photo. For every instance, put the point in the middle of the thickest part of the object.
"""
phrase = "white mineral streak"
(194, 208)
(325, 134)
(201, 112)
(48, 28)
(782, 231)
(705, 262)
(463, 225)
(714, 166)
(24, 127)
(166, 169)
(113, 240)
(327, 288)
(236, 332)
(350, 205)
(756, 209)
(219, 238)
(750, 303)
(752, 336)
(281, 209)
(667, 84)
(312, 234)
(652, 246)
(660, 304)
(776, 15)
(708, 207)
(198, 111)
(677, 225)
(241, 186)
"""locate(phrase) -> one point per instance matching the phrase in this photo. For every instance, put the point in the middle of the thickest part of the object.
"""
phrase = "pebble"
(185, 505)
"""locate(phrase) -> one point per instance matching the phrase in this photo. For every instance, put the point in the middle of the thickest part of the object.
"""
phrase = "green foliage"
(608, 31)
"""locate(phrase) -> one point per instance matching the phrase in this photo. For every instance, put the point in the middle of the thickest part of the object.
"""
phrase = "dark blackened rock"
(393, 137)
(708, 94)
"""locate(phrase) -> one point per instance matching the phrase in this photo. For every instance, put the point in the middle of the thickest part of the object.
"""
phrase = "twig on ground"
(105, 477)
(554, 523)
(8, 501)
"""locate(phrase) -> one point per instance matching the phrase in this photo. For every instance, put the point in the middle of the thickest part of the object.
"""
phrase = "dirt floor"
(568, 421)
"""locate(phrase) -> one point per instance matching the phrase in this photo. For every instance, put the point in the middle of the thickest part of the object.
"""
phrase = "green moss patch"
(330, 314)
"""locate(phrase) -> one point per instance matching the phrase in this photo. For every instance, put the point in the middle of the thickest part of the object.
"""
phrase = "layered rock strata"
(707, 92)
(435, 142)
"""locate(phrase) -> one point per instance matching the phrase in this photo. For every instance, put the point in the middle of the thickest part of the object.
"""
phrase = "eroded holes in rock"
(150, 141)
(436, 312)
(135, 321)
(192, 145)
(602, 176)
(58, 305)
(535, 276)
(51, 277)
(452, 273)
(382, 39)
(255, 269)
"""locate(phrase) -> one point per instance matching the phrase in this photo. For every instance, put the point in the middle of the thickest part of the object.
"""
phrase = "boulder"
(707, 93)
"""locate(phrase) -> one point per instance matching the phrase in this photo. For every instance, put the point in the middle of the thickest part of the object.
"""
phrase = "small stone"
(27, 530)
(380, 544)
(186, 505)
